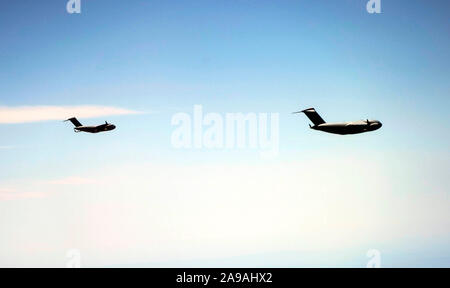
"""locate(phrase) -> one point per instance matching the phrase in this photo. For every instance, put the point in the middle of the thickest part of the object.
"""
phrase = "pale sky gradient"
(129, 198)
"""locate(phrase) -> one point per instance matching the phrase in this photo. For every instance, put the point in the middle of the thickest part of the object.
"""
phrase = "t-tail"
(313, 116)
(74, 121)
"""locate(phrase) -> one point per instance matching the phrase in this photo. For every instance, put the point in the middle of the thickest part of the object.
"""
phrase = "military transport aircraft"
(90, 129)
(340, 128)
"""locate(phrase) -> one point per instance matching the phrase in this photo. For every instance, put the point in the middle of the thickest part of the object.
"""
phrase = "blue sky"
(387, 189)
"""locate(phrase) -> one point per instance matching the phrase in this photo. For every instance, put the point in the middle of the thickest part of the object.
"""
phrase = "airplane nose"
(375, 125)
(378, 125)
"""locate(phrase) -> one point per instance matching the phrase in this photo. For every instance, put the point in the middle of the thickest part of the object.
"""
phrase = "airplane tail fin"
(74, 121)
(313, 116)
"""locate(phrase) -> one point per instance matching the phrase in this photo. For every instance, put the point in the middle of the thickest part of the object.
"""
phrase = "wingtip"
(303, 111)
(69, 119)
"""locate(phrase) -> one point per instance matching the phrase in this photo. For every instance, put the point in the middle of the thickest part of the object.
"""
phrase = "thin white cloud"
(42, 189)
(6, 147)
(11, 194)
(71, 181)
(27, 114)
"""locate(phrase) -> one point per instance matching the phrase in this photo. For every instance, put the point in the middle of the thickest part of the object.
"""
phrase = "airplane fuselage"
(95, 129)
(349, 127)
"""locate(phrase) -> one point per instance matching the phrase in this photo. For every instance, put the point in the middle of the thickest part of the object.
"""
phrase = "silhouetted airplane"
(340, 128)
(91, 129)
